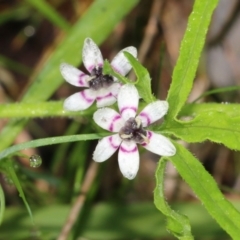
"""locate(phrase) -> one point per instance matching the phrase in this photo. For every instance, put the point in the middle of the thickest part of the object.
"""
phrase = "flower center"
(98, 80)
(133, 130)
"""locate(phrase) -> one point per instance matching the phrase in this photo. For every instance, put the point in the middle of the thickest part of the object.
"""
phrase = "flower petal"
(128, 101)
(106, 147)
(105, 97)
(120, 62)
(108, 119)
(153, 112)
(73, 75)
(159, 144)
(128, 159)
(115, 88)
(80, 101)
(91, 55)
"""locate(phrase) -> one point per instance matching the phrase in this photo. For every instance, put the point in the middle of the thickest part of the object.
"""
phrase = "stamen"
(96, 64)
(138, 121)
(145, 139)
(90, 78)
(126, 136)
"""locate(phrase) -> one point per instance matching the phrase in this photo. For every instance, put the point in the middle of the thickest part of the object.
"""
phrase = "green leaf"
(2, 204)
(205, 187)
(217, 90)
(177, 224)
(107, 69)
(50, 13)
(193, 110)
(14, 13)
(214, 124)
(97, 22)
(43, 109)
(15, 66)
(49, 141)
(191, 48)
(9, 168)
(143, 82)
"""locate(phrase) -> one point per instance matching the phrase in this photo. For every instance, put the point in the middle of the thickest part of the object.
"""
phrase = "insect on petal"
(153, 112)
(120, 62)
(91, 55)
(73, 75)
(106, 147)
(79, 101)
(128, 159)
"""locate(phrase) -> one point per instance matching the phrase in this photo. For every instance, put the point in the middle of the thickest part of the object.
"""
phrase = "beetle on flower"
(102, 88)
(130, 130)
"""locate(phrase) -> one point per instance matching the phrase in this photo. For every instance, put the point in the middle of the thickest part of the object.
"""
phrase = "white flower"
(129, 130)
(102, 88)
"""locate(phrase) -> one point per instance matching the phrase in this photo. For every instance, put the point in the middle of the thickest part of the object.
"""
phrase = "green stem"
(39, 109)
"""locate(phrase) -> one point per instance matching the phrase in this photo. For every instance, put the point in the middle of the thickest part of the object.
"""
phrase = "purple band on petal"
(149, 135)
(85, 97)
(125, 108)
(106, 96)
(112, 143)
(113, 121)
(144, 115)
(81, 81)
(128, 151)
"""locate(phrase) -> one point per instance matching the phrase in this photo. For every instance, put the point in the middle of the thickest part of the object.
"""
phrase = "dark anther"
(98, 80)
(133, 130)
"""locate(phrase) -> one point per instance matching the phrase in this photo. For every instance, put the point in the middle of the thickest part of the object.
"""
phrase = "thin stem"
(77, 207)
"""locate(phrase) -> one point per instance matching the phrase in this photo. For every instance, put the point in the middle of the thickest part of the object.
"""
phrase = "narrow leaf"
(107, 69)
(50, 13)
(143, 82)
(43, 109)
(205, 187)
(191, 48)
(2, 204)
(177, 224)
(217, 90)
(11, 172)
(50, 141)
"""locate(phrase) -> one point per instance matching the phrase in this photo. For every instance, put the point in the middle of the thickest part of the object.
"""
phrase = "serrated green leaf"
(143, 82)
(98, 21)
(205, 187)
(191, 48)
(177, 224)
(2, 204)
(217, 126)
(193, 110)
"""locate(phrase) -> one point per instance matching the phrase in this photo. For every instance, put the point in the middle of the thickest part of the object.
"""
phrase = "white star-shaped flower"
(102, 88)
(129, 130)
